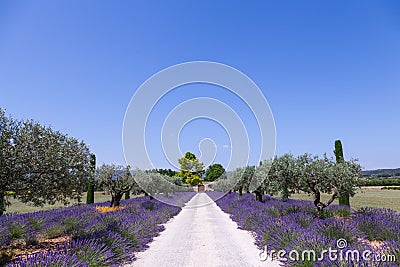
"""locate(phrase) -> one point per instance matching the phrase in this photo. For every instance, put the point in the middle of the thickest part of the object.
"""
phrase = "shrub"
(16, 229)
(393, 248)
(54, 231)
(120, 246)
(92, 252)
(307, 241)
(4, 236)
(337, 229)
(377, 227)
(301, 218)
(283, 236)
(390, 188)
(57, 258)
(341, 211)
(36, 222)
(292, 209)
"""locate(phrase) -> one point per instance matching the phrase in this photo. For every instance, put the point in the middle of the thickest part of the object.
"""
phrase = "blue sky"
(328, 69)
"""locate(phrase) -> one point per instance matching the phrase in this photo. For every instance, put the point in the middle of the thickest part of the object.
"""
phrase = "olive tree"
(118, 180)
(280, 175)
(262, 181)
(8, 134)
(315, 175)
(288, 174)
(54, 167)
(154, 184)
(309, 174)
(346, 177)
(242, 178)
(40, 165)
(223, 184)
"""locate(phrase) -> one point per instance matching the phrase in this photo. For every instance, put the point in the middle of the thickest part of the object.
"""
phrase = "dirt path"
(201, 236)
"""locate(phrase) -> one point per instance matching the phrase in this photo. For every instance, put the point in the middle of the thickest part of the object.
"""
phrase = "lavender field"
(84, 235)
(296, 225)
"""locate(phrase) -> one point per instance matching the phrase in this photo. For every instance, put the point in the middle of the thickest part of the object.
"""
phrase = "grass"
(367, 196)
(18, 206)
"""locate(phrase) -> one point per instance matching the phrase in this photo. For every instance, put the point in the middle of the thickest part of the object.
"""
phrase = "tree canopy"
(40, 165)
(118, 180)
(214, 171)
(191, 170)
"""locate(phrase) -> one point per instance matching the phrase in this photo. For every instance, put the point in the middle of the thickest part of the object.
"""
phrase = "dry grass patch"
(108, 209)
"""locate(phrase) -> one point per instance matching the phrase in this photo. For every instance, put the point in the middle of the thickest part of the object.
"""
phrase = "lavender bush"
(296, 225)
(95, 239)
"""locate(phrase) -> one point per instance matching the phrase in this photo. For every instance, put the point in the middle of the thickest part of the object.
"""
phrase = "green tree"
(167, 172)
(344, 197)
(191, 170)
(118, 180)
(346, 177)
(268, 175)
(260, 189)
(242, 178)
(339, 151)
(40, 165)
(288, 174)
(283, 171)
(90, 191)
(193, 179)
(8, 161)
(316, 176)
(223, 184)
(152, 183)
(214, 171)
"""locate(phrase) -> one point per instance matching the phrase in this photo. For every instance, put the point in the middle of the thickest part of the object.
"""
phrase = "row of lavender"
(94, 238)
(295, 226)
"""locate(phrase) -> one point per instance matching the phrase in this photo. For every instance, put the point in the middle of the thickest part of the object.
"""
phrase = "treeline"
(41, 165)
(168, 172)
(390, 188)
(380, 182)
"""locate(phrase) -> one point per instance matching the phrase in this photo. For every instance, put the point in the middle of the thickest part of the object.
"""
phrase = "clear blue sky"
(329, 69)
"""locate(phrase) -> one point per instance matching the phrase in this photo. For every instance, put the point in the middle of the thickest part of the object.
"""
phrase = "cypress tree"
(2, 203)
(339, 151)
(258, 191)
(90, 191)
(345, 198)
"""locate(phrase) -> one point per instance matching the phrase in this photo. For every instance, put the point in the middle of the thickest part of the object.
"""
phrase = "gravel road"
(201, 236)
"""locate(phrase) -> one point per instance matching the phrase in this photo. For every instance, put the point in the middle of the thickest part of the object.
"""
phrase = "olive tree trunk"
(116, 200)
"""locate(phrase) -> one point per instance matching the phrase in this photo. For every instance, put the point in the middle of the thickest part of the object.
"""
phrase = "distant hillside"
(381, 173)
